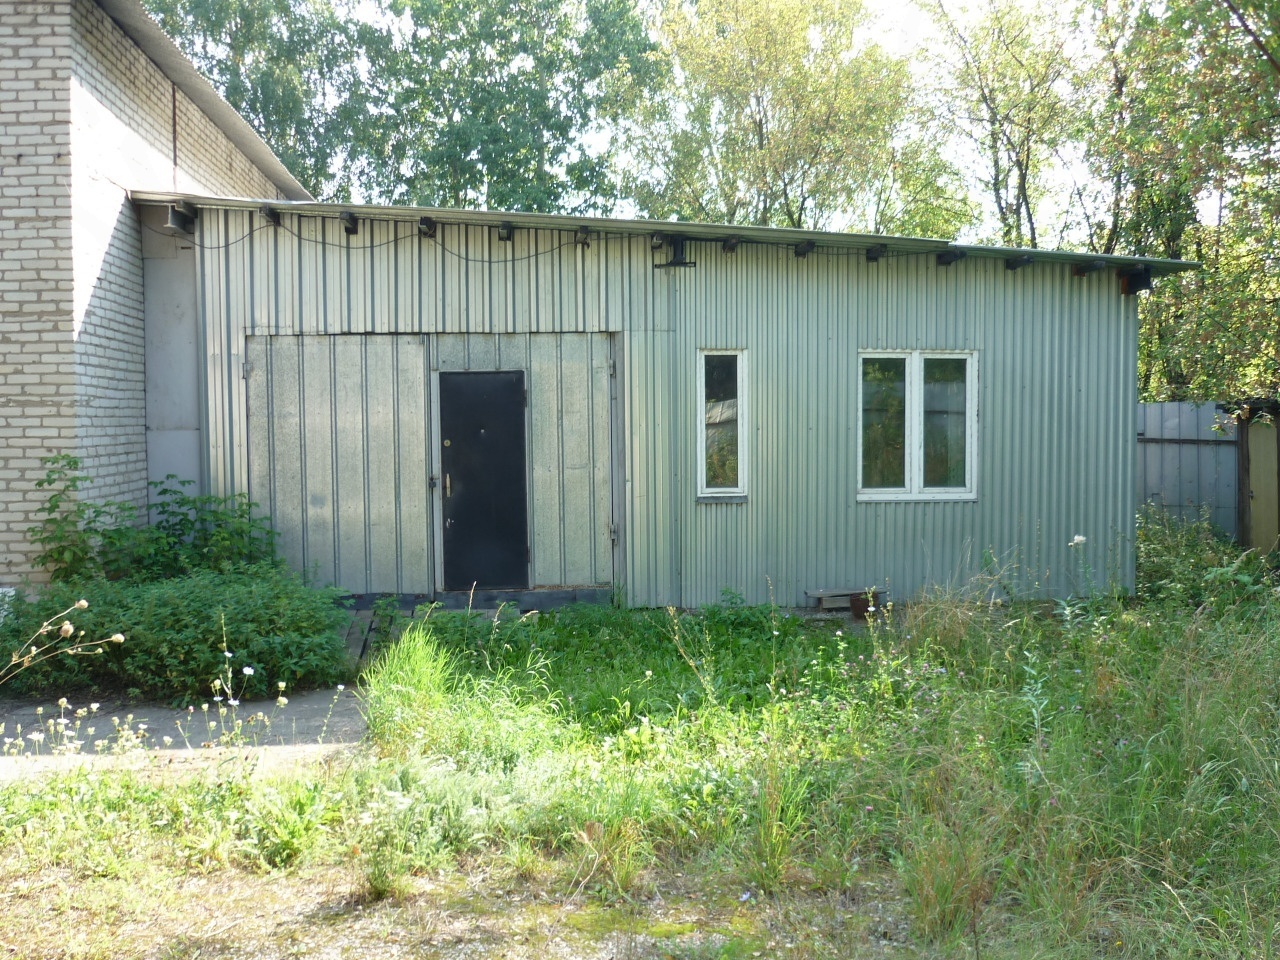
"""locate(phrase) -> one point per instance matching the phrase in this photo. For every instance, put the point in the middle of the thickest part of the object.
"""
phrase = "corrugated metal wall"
(342, 441)
(1056, 356)
(309, 277)
(1056, 427)
(570, 480)
(1185, 465)
(318, 424)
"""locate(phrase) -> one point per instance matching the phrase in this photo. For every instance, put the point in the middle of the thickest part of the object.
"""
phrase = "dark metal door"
(482, 459)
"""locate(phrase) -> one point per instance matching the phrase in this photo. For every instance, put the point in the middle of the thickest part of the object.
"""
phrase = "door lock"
(448, 487)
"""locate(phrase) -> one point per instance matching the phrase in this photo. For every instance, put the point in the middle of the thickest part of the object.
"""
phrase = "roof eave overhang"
(718, 233)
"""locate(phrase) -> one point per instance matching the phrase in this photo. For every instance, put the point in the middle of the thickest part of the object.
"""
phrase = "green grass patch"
(1095, 779)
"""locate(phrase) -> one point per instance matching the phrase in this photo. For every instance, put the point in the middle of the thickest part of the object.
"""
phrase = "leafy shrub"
(80, 539)
(71, 532)
(175, 630)
(1189, 563)
(200, 533)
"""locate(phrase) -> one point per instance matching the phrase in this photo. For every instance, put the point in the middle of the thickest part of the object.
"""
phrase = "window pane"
(884, 422)
(944, 421)
(721, 373)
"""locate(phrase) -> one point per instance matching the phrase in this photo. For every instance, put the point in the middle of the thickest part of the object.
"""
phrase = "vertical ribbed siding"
(1055, 432)
(308, 276)
(570, 487)
(341, 437)
(541, 303)
(1056, 362)
(338, 435)
(1188, 462)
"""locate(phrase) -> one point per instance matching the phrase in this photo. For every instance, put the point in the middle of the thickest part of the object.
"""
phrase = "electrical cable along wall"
(743, 409)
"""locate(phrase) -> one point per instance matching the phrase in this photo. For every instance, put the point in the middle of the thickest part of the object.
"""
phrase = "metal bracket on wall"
(678, 258)
(182, 217)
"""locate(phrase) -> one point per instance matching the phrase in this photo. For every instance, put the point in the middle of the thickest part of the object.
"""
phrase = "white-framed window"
(917, 425)
(722, 433)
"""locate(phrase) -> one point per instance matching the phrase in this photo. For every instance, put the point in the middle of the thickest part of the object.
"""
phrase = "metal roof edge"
(688, 230)
(1159, 266)
(138, 26)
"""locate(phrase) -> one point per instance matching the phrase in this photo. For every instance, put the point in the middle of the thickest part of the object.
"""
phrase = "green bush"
(176, 632)
(1189, 563)
(81, 539)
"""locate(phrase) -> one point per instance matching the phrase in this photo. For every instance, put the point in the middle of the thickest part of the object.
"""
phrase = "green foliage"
(284, 822)
(1135, 127)
(433, 102)
(1188, 563)
(777, 817)
(268, 618)
(493, 105)
(1024, 778)
(1190, 151)
(190, 533)
(781, 113)
(81, 539)
(291, 69)
(1007, 75)
(74, 534)
(419, 703)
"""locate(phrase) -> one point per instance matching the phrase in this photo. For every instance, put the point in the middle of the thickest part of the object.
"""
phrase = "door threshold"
(536, 598)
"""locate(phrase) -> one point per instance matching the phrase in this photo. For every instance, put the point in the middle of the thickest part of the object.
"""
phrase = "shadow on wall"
(110, 365)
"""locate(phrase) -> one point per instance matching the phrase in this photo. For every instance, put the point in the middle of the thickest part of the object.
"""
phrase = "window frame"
(913, 468)
(739, 492)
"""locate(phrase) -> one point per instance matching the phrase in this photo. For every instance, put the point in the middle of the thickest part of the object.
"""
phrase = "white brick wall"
(37, 376)
(84, 118)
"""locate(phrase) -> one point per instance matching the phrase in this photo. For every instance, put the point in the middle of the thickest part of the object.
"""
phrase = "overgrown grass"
(1099, 780)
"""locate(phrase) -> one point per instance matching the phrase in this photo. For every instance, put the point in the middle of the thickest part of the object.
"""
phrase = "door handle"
(448, 487)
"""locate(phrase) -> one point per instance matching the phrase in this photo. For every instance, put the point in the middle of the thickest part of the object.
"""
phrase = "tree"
(495, 104)
(776, 112)
(290, 68)
(1135, 125)
(1164, 126)
(441, 102)
(1195, 150)
(1005, 82)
